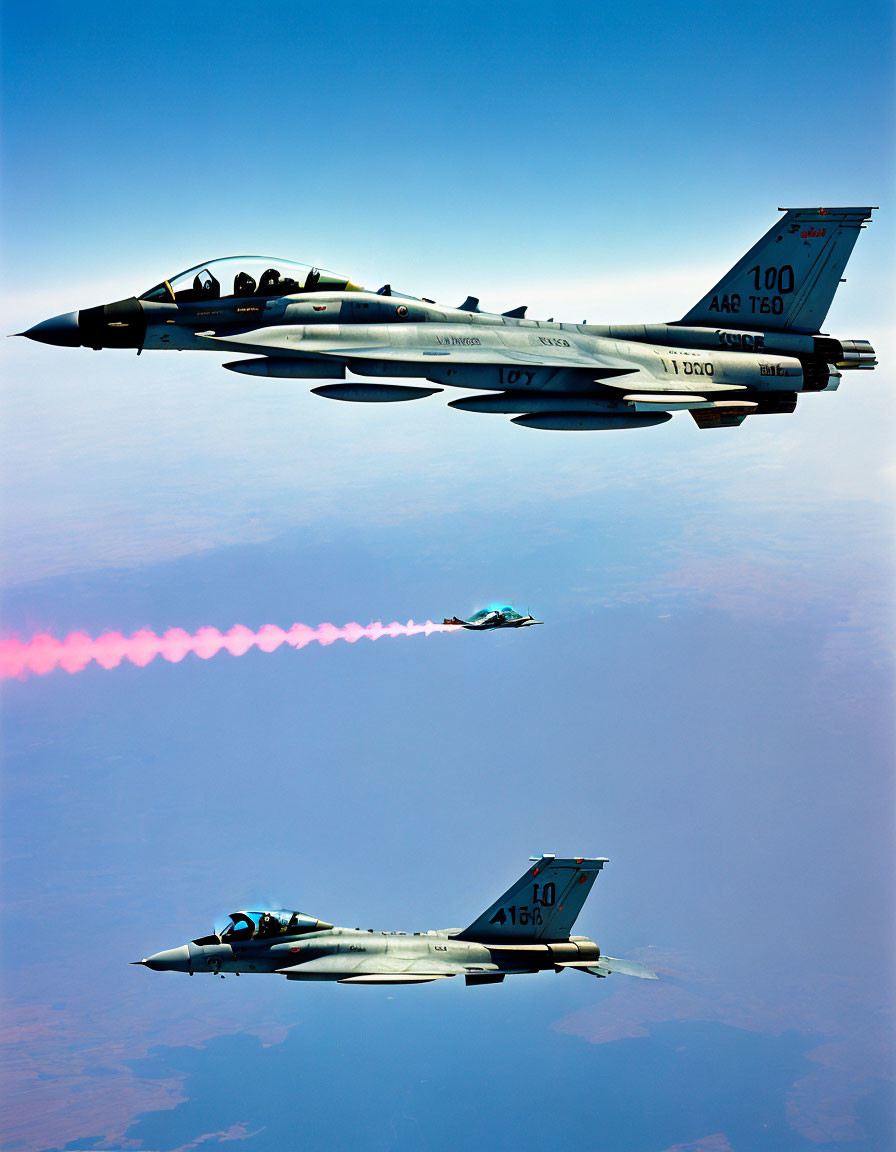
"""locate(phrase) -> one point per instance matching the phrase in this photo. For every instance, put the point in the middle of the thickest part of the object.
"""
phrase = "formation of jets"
(752, 346)
(527, 930)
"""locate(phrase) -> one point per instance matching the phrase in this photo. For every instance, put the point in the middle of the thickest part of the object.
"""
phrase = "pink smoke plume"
(43, 653)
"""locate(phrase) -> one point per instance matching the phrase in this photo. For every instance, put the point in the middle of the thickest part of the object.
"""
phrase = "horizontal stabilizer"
(626, 967)
(672, 403)
(608, 964)
(719, 417)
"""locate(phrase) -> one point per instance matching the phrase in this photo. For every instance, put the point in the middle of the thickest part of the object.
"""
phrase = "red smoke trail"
(43, 653)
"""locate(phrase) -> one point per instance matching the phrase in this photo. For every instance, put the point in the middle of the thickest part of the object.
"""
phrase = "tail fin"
(786, 282)
(542, 905)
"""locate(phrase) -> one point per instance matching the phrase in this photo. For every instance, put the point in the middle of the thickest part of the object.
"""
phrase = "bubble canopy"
(244, 277)
(268, 923)
(507, 612)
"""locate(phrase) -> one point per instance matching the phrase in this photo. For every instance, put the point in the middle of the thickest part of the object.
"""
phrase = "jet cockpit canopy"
(243, 277)
(507, 612)
(268, 923)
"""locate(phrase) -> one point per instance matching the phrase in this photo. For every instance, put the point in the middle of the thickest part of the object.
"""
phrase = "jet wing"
(632, 386)
(489, 620)
(428, 343)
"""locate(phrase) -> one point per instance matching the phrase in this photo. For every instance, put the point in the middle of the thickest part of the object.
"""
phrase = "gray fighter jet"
(527, 930)
(487, 618)
(751, 346)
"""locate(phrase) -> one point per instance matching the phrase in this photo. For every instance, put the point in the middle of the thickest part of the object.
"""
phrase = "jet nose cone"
(61, 330)
(172, 960)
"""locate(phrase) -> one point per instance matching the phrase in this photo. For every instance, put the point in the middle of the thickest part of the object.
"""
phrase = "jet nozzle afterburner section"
(856, 354)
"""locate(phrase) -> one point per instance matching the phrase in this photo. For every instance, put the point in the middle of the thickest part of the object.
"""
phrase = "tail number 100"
(772, 279)
(776, 280)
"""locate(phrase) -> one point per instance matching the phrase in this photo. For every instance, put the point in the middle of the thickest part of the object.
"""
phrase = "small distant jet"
(486, 618)
(752, 345)
(527, 930)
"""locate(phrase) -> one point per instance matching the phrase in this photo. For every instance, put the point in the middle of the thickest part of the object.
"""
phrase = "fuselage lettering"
(728, 303)
(743, 340)
(689, 367)
(546, 896)
(767, 304)
(518, 914)
(515, 376)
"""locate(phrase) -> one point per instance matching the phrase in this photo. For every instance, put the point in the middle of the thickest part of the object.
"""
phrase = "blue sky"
(425, 144)
(708, 703)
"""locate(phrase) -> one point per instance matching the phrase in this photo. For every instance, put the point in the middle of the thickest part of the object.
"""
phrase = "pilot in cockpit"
(251, 276)
(268, 925)
(269, 284)
(244, 284)
(205, 286)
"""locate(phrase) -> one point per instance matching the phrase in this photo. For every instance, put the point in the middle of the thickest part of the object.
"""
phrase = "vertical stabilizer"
(786, 282)
(542, 905)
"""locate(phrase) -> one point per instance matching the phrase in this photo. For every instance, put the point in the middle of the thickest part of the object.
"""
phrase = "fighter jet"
(751, 346)
(527, 930)
(487, 618)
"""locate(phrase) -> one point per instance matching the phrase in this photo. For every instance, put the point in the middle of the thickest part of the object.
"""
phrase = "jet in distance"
(751, 346)
(488, 618)
(527, 930)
